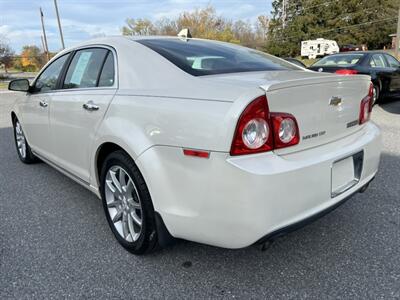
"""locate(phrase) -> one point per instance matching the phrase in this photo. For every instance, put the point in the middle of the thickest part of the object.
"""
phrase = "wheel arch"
(165, 239)
(101, 153)
(13, 116)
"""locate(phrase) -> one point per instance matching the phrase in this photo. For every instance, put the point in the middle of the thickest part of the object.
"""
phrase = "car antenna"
(185, 34)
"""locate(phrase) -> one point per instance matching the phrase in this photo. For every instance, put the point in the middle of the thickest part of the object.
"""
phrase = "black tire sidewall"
(377, 88)
(29, 157)
(148, 236)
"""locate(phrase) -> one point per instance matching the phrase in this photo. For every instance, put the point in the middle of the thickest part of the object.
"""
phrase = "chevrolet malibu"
(198, 140)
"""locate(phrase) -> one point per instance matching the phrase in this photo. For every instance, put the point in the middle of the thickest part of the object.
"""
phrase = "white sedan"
(199, 140)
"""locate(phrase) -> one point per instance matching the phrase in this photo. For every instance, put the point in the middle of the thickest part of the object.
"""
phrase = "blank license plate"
(343, 176)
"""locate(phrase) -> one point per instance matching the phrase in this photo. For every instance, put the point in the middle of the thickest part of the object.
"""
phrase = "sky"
(84, 19)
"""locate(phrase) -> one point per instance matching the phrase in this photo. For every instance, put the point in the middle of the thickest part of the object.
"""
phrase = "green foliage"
(346, 21)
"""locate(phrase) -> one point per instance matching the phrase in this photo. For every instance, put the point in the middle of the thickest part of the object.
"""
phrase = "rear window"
(340, 60)
(199, 57)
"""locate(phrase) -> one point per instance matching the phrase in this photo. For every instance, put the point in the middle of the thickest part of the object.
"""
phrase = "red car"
(350, 47)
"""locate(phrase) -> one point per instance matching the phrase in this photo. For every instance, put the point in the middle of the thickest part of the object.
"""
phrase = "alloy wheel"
(123, 204)
(21, 141)
(375, 94)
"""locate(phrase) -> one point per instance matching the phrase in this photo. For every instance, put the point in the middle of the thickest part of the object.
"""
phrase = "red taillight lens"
(258, 130)
(346, 72)
(286, 131)
(252, 133)
(371, 95)
(366, 106)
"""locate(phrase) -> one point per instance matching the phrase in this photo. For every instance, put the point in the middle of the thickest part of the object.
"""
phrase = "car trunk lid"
(326, 109)
(326, 106)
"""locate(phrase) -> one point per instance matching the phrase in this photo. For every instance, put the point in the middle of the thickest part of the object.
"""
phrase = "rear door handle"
(90, 106)
(43, 103)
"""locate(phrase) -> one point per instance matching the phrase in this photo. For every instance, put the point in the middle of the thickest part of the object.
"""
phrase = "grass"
(3, 85)
(306, 61)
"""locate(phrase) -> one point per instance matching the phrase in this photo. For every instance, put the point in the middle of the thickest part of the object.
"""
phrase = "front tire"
(23, 149)
(127, 204)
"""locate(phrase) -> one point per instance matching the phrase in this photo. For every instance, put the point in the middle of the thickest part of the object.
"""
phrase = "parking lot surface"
(55, 242)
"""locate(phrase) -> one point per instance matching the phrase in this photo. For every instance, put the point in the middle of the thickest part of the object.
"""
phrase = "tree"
(32, 58)
(138, 27)
(262, 26)
(166, 26)
(346, 21)
(6, 55)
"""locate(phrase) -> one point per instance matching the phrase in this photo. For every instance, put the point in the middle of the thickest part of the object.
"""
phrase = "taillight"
(346, 72)
(258, 130)
(253, 134)
(366, 106)
(286, 131)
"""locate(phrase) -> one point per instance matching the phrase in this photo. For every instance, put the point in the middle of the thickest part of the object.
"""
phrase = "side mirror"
(19, 85)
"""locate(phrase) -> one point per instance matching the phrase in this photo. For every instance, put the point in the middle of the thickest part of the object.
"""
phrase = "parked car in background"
(199, 140)
(383, 68)
(296, 62)
(350, 47)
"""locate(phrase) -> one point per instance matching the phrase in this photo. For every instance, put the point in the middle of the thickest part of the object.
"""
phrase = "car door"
(88, 87)
(35, 109)
(380, 72)
(394, 69)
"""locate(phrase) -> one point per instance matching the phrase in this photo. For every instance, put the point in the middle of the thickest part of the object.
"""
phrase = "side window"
(85, 68)
(108, 72)
(393, 63)
(48, 79)
(377, 61)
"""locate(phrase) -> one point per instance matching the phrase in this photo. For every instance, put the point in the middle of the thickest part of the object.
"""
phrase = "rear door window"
(85, 68)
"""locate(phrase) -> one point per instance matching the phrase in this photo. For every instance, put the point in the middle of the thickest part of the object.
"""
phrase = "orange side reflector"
(196, 153)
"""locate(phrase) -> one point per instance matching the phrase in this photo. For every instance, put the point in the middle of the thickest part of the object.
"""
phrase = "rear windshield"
(199, 57)
(340, 60)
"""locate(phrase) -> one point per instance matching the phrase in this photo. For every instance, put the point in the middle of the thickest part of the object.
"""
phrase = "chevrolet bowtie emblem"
(336, 101)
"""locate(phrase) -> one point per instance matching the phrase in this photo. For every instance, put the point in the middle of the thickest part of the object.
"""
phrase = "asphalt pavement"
(55, 242)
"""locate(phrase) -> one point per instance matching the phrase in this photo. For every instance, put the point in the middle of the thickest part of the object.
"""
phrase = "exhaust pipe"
(364, 188)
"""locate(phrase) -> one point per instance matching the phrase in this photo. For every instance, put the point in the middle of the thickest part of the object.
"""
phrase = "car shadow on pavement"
(62, 236)
(391, 105)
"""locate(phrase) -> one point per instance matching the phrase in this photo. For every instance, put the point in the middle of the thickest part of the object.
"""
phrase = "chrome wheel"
(123, 204)
(375, 95)
(20, 137)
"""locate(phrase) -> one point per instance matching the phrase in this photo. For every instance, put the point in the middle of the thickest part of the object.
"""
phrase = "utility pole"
(44, 35)
(43, 46)
(59, 24)
(284, 7)
(397, 41)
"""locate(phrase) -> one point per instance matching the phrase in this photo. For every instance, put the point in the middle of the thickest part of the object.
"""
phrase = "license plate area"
(346, 173)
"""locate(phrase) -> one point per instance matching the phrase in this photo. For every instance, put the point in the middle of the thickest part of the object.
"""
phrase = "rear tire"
(127, 204)
(376, 94)
(23, 149)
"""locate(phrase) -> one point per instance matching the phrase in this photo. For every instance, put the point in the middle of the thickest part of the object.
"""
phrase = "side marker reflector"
(196, 153)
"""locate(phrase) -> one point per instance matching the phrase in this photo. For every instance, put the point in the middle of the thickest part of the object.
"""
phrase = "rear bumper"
(234, 202)
(300, 224)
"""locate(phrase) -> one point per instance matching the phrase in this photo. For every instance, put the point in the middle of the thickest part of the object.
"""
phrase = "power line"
(370, 10)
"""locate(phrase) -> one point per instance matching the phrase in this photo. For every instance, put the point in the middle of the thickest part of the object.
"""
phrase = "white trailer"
(318, 48)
